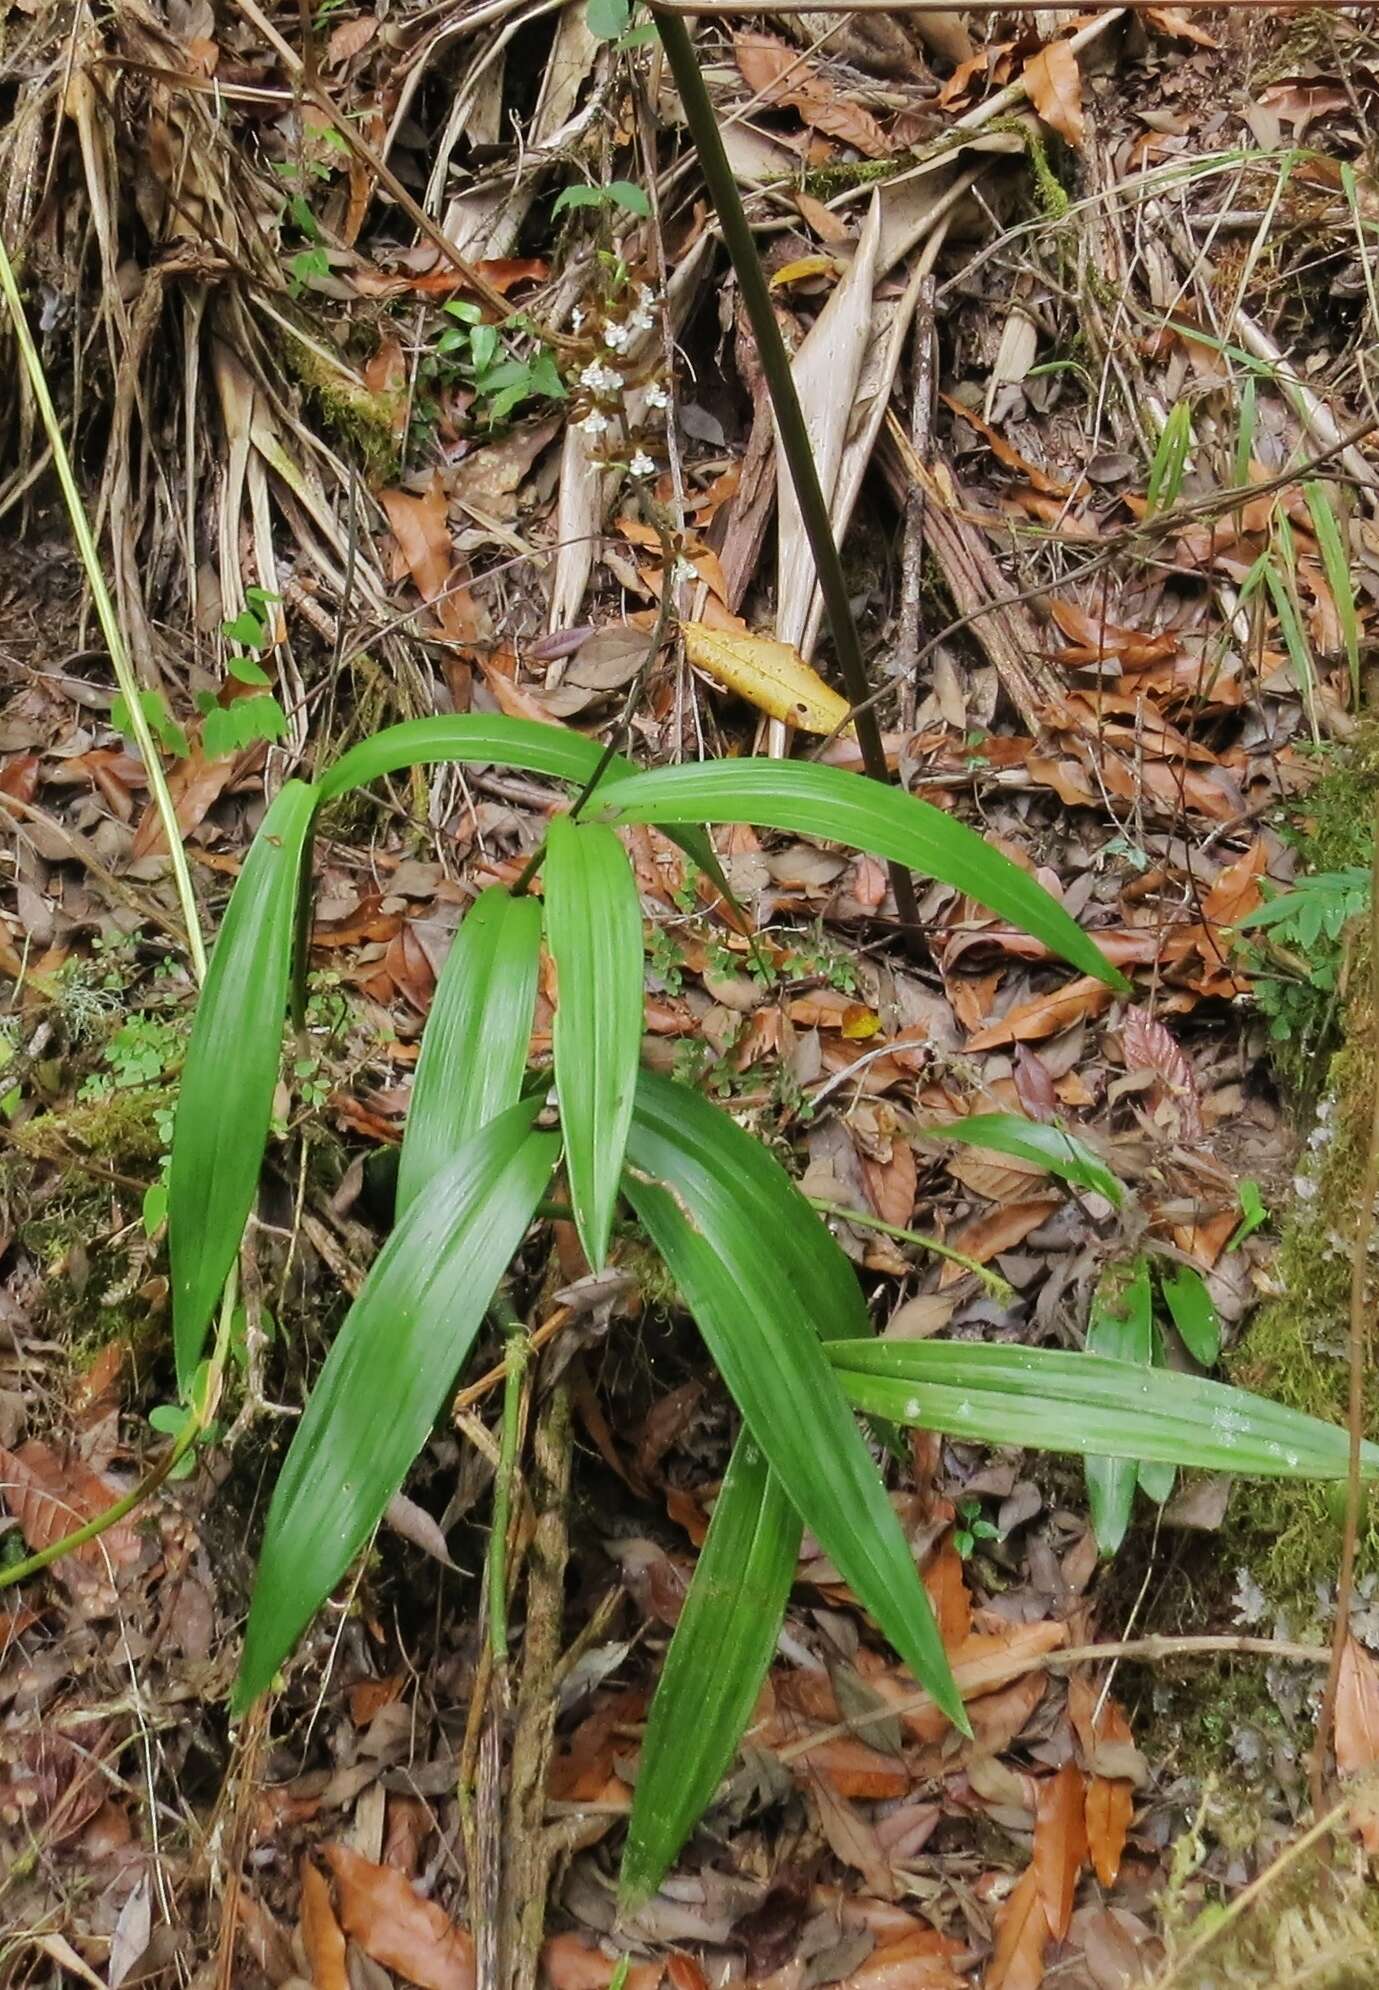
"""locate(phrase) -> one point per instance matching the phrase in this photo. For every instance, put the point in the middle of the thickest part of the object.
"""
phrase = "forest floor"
(1104, 453)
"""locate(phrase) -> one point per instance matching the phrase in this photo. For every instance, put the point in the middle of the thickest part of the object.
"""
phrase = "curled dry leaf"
(568, 1962)
(1022, 1935)
(382, 1911)
(1110, 1799)
(1027, 1022)
(996, 1230)
(770, 675)
(780, 75)
(1054, 84)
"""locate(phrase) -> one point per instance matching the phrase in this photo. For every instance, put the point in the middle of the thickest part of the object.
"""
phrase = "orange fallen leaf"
(568, 1962)
(1169, 21)
(780, 75)
(1236, 890)
(919, 1960)
(382, 1911)
(1110, 1799)
(1022, 1935)
(321, 1937)
(1060, 1844)
(1000, 1229)
(1054, 83)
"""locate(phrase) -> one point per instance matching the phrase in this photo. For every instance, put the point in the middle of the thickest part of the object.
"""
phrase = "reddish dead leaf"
(1033, 1084)
(421, 526)
(195, 785)
(948, 1592)
(1236, 890)
(50, 1497)
(568, 1962)
(986, 1236)
(1149, 1046)
(1054, 83)
(19, 776)
(1110, 1799)
(1060, 1844)
(1093, 638)
(684, 1973)
(1022, 1935)
(975, 65)
(1357, 1730)
(1045, 1015)
(368, 1697)
(1005, 452)
(321, 1937)
(383, 1912)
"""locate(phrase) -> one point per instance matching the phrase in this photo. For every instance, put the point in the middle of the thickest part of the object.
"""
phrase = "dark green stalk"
(785, 404)
(513, 1386)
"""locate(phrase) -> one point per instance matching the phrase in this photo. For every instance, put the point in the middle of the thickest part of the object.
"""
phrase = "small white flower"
(646, 297)
(577, 316)
(595, 422)
(682, 574)
(616, 337)
(656, 396)
(601, 379)
(642, 465)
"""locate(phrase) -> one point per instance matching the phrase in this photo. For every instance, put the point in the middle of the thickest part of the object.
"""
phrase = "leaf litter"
(1008, 251)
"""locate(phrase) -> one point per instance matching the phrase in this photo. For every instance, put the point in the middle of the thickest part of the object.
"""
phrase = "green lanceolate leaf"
(1194, 1315)
(1030, 1140)
(486, 739)
(1121, 1328)
(713, 1672)
(719, 1222)
(226, 1098)
(1049, 1400)
(474, 1047)
(1156, 1479)
(811, 800)
(731, 1618)
(594, 932)
(385, 1378)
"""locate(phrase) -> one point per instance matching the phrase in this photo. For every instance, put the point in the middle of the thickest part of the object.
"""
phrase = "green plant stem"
(105, 614)
(197, 1423)
(514, 1381)
(785, 404)
(998, 1287)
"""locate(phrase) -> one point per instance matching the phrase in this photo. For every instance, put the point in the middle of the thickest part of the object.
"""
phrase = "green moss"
(357, 415)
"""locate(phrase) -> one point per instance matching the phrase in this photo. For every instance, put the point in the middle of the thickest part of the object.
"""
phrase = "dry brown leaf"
(780, 75)
(1169, 21)
(50, 1496)
(1060, 1844)
(1000, 1229)
(1054, 83)
(1149, 1046)
(350, 38)
(421, 526)
(1045, 1015)
(1357, 1729)
(946, 1583)
(770, 675)
(1022, 1935)
(568, 1962)
(195, 785)
(891, 1183)
(1110, 1800)
(1006, 452)
(383, 1912)
(919, 1960)
(852, 1839)
(1236, 890)
(322, 1940)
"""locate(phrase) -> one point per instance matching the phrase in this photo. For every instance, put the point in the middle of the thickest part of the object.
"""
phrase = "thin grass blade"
(233, 1058)
(1087, 1405)
(474, 1047)
(1031, 1140)
(594, 932)
(811, 800)
(718, 1221)
(1170, 460)
(727, 1629)
(386, 1376)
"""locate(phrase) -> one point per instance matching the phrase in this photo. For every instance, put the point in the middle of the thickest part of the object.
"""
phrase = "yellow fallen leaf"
(802, 267)
(770, 675)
